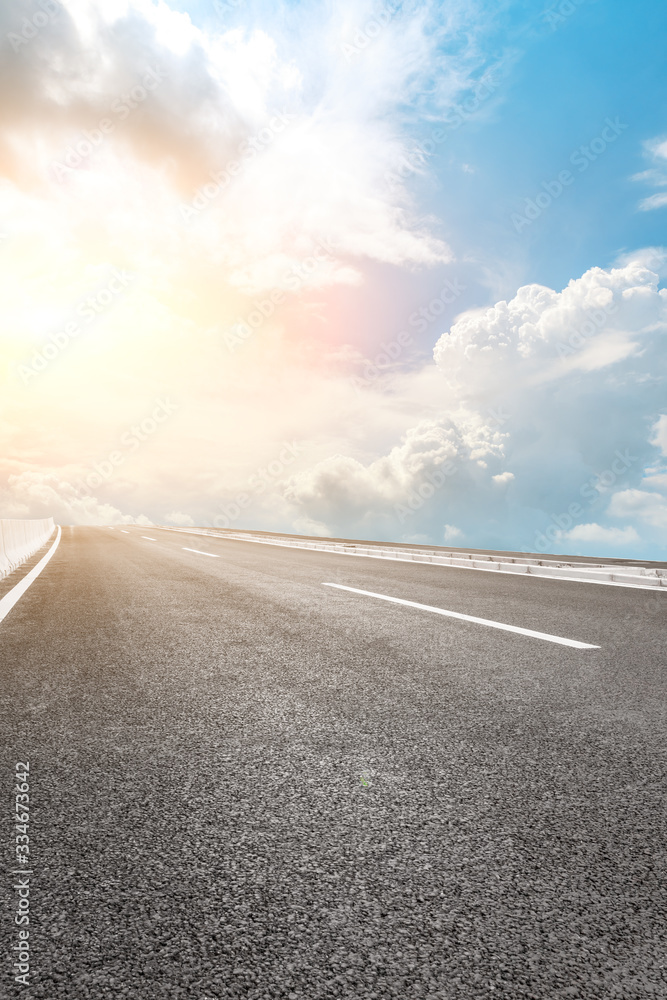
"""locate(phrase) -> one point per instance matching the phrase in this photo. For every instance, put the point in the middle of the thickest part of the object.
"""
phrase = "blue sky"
(603, 61)
(561, 79)
(559, 72)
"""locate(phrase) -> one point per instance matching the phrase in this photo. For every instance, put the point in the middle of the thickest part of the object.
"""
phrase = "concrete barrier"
(548, 568)
(21, 539)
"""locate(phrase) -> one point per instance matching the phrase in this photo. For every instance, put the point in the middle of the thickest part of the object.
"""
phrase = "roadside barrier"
(21, 539)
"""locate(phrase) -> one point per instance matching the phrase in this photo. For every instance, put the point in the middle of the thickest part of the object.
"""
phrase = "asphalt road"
(245, 784)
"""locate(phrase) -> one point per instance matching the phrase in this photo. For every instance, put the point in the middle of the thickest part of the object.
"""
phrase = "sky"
(385, 271)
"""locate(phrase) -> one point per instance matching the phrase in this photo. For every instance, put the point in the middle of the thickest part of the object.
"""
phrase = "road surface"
(245, 784)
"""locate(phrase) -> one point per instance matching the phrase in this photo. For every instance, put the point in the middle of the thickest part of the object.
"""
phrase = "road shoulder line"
(15, 594)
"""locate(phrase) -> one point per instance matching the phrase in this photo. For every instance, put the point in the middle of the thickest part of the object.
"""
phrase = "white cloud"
(179, 519)
(541, 335)
(653, 201)
(435, 457)
(577, 375)
(324, 178)
(655, 150)
(33, 494)
(659, 436)
(653, 258)
(597, 533)
(562, 387)
(305, 526)
(647, 504)
(83, 66)
(451, 533)
(640, 505)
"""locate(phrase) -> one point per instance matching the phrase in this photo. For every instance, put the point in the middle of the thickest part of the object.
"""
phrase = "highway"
(246, 784)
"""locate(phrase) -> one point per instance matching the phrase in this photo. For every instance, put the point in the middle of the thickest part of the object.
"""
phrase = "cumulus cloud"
(563, 388)
(35, 494)
(435, 457)
(542, 336)
(586, 367)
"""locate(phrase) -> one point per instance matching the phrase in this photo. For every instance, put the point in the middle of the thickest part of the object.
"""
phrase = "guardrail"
(21, 539)
(646, 577)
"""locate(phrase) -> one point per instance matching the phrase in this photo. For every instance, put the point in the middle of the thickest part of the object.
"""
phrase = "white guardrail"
(646, 577)
(21, 539)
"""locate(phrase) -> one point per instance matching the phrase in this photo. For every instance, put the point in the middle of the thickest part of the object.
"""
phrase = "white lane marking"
(10, 599)
(199, 552)
(149, 539)
(469, 618)
(124, 531)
